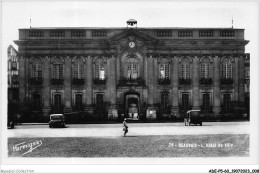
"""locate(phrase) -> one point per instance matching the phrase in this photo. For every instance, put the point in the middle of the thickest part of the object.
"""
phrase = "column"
(88, 85)
(236, 78)
(155, 80)
(46, 87)
(175, 83)
(151, 111)
(195, 82)
(216, 85)
(241, 80)
(150, 79)
(113, 80)
(112, 112)
(67, 84)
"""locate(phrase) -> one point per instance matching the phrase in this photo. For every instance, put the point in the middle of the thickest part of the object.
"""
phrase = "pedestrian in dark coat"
(125, 127)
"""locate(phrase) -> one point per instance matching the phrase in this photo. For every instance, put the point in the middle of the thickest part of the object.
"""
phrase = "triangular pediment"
(132, 33)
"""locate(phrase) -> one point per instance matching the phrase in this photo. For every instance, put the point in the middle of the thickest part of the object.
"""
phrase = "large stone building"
(143, 73)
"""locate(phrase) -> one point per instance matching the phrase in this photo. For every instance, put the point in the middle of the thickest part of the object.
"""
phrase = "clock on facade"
(131, 44)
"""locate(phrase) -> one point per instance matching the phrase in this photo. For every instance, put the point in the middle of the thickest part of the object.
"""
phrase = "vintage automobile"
(57, 120)
(193, 117)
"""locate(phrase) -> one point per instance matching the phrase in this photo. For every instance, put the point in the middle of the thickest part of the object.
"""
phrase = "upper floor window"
(185, 68)
(36, 69)
(132, 68)
(78, 68)
(226, 71)
(99, 69)
(57, 69)
(205, 68)
(164, 69)
(247, 74)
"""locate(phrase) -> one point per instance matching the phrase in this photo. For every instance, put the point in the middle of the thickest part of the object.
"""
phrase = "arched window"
(185, 68)
(99, 69)
(164, 69)
(57, 68)
(205, 69)
(226, 69)
(132, 68)
(36, 69)
(78, 68)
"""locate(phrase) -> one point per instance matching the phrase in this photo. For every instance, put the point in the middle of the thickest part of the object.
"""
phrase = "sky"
(17, 15)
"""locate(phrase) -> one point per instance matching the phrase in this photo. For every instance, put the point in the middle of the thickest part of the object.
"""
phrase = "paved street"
(135, 129)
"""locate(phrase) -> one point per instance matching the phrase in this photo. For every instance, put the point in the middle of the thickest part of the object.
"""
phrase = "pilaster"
(216, 85)
(175, 83)
(67, 84)
(241, 80)
(112, 112)
(89, 85)
(46, 86)
(195, 88)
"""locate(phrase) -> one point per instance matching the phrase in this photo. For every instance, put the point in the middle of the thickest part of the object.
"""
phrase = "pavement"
(135, 129)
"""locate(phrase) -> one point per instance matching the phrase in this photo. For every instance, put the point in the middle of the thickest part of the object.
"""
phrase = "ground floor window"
(57, 102)
(164, 102)
(206, 101)
(185, 102)
(100, 105)
(78, 101)
(36, 102)
(226, 101)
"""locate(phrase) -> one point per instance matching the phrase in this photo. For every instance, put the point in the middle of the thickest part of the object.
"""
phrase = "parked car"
(193, 117)
(57, 120)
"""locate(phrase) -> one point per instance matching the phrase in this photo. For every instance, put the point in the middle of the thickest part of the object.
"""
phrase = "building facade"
(141, 73)
(13, 77)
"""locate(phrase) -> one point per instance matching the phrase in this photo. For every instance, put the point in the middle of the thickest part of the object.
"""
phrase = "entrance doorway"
(132, 106)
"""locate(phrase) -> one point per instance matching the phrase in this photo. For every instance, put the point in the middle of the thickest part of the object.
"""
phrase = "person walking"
(125, 127)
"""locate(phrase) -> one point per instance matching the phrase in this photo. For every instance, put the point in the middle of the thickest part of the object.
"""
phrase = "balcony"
(226, 81)
(183, 81)
(78, 82)
(164, 81)
(57, 81)
(131, 82)
(36, 81)
(206, 81)
(98, 81)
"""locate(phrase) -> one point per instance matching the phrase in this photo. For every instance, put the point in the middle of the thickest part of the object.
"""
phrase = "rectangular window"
(132, 70)
(164, 102)
(78, 101)
(57, 71)
(226, 101)
(14, 65)
(185, 101)
(247, 74)
(78, 71)
(206, 101)
(36, 70)
(165, 71)
(205, 70)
